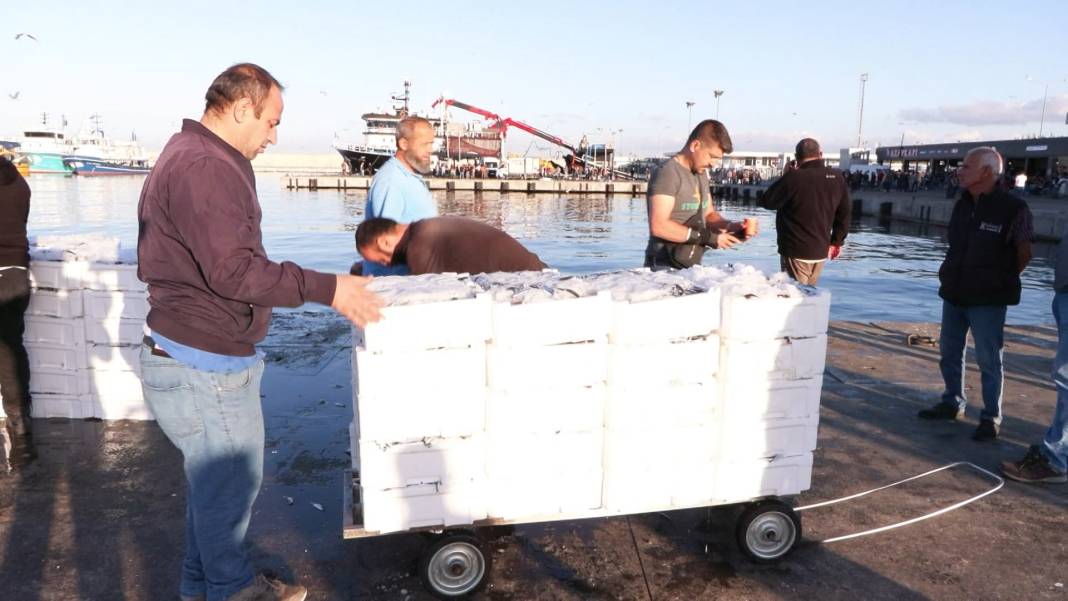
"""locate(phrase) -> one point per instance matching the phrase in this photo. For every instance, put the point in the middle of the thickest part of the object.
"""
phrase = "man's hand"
(833, 252)
(353, 300)
(725, 240)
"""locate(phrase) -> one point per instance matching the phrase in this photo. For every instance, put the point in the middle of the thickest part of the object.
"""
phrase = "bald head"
(409, 127)
(807, 149)
(415, 142)
(987, 157)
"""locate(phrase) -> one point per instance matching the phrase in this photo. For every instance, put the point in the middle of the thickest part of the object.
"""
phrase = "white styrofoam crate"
(665, 319)
(391, 375)
(55, 356)
(70, 383)
(132, 409)
(451, 324)
(54, 330)
(761, 400)
(115, 304)
(661, 449)
(446, 464)
(523, 497)
(512, 455)
(403, 418)
(423, 507)
(58, 275)
(745, 439)
(115, 332)
(59, 405)
(780, 476)
(761, 318)
(118, 386)
(659, 407)
(776, 359)
(354, 446)
(105, 357)
(574, 409)
(664, 363)
(55, 303)
(553, 321)
(539, 367)
(112, 276)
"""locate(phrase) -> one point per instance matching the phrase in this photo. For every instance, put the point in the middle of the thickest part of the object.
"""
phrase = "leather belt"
(155, 350)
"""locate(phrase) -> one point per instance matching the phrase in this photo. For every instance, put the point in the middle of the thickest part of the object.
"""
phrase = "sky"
(614, 71)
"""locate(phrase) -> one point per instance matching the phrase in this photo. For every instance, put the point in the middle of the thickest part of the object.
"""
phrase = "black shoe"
(942, 411)
(987, 430)
(1034, 467)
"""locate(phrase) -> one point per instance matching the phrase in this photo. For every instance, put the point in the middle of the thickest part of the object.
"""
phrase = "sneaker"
(264, 588)
(1034, 467)
(986, 430)
(942, 411)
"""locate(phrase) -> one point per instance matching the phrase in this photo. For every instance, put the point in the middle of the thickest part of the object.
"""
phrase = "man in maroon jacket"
(211, 288)
(14, 298)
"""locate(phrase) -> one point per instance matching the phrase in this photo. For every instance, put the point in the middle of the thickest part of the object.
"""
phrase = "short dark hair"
(240, 81)
(371, 229)
(807, 148)
(709, 131)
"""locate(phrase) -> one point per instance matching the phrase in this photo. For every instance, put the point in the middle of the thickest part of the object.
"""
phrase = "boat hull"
(88, 167)
(370, 159)
(46, 162)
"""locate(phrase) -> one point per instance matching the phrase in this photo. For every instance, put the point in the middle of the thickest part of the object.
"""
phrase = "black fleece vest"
(980, 267)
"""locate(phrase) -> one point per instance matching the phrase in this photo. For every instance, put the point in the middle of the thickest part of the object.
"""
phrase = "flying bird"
(14, 96)
(28, 35)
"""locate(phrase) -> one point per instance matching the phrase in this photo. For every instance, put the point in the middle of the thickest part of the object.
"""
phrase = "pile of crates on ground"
(84, 327)
(612, 394)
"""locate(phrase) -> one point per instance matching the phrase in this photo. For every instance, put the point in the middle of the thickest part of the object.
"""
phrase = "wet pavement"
(100, 515)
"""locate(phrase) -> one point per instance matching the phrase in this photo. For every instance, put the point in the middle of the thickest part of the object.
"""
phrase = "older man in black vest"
(990, 235)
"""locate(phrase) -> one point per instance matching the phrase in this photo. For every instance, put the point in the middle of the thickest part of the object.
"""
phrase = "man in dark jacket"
(813, 207)
(443, 245)
(14, 298)
(990, 235)
(211, 288)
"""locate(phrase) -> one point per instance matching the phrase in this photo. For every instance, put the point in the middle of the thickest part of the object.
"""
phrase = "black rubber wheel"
(454, 566)
(767, 531)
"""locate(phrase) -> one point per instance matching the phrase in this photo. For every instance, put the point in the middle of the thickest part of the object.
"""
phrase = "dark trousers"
(14, 364)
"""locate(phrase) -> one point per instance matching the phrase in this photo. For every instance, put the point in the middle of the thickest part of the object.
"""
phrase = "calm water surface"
(887, 271)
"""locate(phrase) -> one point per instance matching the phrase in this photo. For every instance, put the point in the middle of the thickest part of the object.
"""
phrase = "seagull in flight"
(14, 96)
(28, 35)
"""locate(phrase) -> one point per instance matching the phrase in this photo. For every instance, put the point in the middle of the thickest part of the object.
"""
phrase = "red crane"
(503, 123)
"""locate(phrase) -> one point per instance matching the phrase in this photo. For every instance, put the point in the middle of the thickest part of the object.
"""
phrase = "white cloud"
(989, 112)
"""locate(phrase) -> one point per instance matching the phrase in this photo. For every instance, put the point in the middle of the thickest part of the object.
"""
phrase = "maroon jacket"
(14, 211)
(200, 250)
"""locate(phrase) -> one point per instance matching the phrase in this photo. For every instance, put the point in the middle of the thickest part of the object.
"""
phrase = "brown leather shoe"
(270, 589)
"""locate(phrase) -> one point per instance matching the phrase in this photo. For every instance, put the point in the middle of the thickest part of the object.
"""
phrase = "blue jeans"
(216, 421)
(1055, 444)
(987, 323)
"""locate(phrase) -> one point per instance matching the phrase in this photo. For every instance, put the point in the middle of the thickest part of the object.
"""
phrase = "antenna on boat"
(403, 109)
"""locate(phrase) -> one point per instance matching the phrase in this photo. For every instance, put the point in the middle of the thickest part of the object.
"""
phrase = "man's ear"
(242, 109)
(402, 144)
(385, 244)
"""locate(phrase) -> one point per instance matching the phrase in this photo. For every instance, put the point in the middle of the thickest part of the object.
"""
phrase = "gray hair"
(406, 127)
(988, 157)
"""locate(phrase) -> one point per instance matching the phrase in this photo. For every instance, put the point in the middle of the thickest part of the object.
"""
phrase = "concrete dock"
(531, 186)
(928, 207)
(100, 515)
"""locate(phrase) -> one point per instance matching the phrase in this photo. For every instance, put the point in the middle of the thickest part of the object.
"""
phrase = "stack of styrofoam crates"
(663, 411)
(419, 380)
(83, 331)
(547, 370)
(772, 361)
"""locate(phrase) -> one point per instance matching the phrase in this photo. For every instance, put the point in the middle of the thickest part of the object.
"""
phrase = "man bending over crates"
(682, 222)
(210, 291)
(443, 245)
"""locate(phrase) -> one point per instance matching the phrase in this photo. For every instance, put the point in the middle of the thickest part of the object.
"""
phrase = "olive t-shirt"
(689, 189)
(461, 245)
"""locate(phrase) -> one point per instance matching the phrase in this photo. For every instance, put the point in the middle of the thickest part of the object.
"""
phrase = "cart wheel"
(768, 530)
(454, 566)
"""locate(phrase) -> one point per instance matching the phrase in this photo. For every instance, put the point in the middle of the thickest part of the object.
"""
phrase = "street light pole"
(689, 114)
(1042, 121)
(717, 94)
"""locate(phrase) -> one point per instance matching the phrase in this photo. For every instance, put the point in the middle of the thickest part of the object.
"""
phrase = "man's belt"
(155, 350)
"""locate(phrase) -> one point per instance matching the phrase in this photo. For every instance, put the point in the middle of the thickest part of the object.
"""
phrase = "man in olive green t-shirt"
(680, 205)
